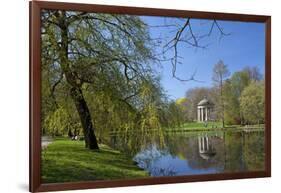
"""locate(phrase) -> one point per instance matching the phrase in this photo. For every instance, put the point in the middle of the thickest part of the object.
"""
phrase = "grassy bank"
(210, 126)
(195, 126)
(68, 161)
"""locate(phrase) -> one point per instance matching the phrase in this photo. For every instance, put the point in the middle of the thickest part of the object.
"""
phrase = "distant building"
(204, 109)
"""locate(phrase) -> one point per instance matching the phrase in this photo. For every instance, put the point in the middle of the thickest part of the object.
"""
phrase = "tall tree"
(252, 103)
(220, 73)
(254, 73)
(233, 89)
(86, 48)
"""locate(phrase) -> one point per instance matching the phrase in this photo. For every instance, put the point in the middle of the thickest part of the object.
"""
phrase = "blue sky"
(245, 46)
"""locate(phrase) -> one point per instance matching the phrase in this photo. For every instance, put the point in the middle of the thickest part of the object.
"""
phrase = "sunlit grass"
(194, 126)
(68, 161)
(212, 125)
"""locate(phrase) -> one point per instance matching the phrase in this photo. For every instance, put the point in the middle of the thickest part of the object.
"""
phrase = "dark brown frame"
(35, 95)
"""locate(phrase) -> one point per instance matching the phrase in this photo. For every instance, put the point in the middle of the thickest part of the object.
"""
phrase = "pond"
(191, 153)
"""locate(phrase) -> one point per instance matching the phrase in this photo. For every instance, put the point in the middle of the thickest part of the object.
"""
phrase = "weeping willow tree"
(105, 58)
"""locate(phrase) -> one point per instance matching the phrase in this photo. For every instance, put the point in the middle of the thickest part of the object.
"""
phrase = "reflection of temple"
(204, 109)
(206, 149)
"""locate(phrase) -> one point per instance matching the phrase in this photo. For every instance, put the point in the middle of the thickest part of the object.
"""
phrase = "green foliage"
(109, 58)
(252, 103)
(183, 104)
(58, 122)
(226, 99)
(176, 115)
(233, 89)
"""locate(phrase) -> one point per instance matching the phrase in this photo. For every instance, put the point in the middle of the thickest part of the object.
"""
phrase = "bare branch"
(192, 40)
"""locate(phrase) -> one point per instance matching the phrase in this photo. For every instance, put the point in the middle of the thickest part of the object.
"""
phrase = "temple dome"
(205, 102)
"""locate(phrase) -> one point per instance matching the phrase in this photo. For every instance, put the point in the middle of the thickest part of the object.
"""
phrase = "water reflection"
(206, 148)
(188, 153)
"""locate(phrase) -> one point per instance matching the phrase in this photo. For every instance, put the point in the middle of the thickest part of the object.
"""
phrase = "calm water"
(185, 153)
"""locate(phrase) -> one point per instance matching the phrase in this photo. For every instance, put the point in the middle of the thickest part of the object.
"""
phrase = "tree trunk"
(69, 133)
(75, 90)
(85, 117)
(222, 101)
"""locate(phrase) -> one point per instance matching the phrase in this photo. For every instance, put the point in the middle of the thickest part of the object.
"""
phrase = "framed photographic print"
(123, 96)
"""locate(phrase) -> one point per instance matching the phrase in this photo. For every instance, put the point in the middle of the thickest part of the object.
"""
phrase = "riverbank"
(214, 126)
(69, 161)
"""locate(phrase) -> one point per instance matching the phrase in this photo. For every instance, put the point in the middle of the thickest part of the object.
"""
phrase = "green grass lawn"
(195, 126)
(202, 125)
(211, 125)
(69, 161)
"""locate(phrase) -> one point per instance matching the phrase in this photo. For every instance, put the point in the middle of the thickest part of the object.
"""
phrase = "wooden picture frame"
(35, 94)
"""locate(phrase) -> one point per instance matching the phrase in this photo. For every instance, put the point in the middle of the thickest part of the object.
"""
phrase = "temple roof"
(205, 102)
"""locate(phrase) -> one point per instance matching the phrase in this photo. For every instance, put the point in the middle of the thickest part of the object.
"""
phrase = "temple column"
(207, 143)
(199, 144)
(202, 114)
(203, 144)
(206, 116)
(198, 114)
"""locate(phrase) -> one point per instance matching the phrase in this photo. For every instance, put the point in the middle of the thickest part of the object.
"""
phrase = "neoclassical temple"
(204, 109)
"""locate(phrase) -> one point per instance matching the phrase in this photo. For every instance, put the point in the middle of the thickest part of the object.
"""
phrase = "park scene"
(126, 96)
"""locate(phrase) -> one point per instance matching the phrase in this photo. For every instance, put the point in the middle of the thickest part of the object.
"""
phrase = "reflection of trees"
(235, 151)
(243, 152)
(134, 141)
(187, 145)
(228, 151)
(253, 151)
